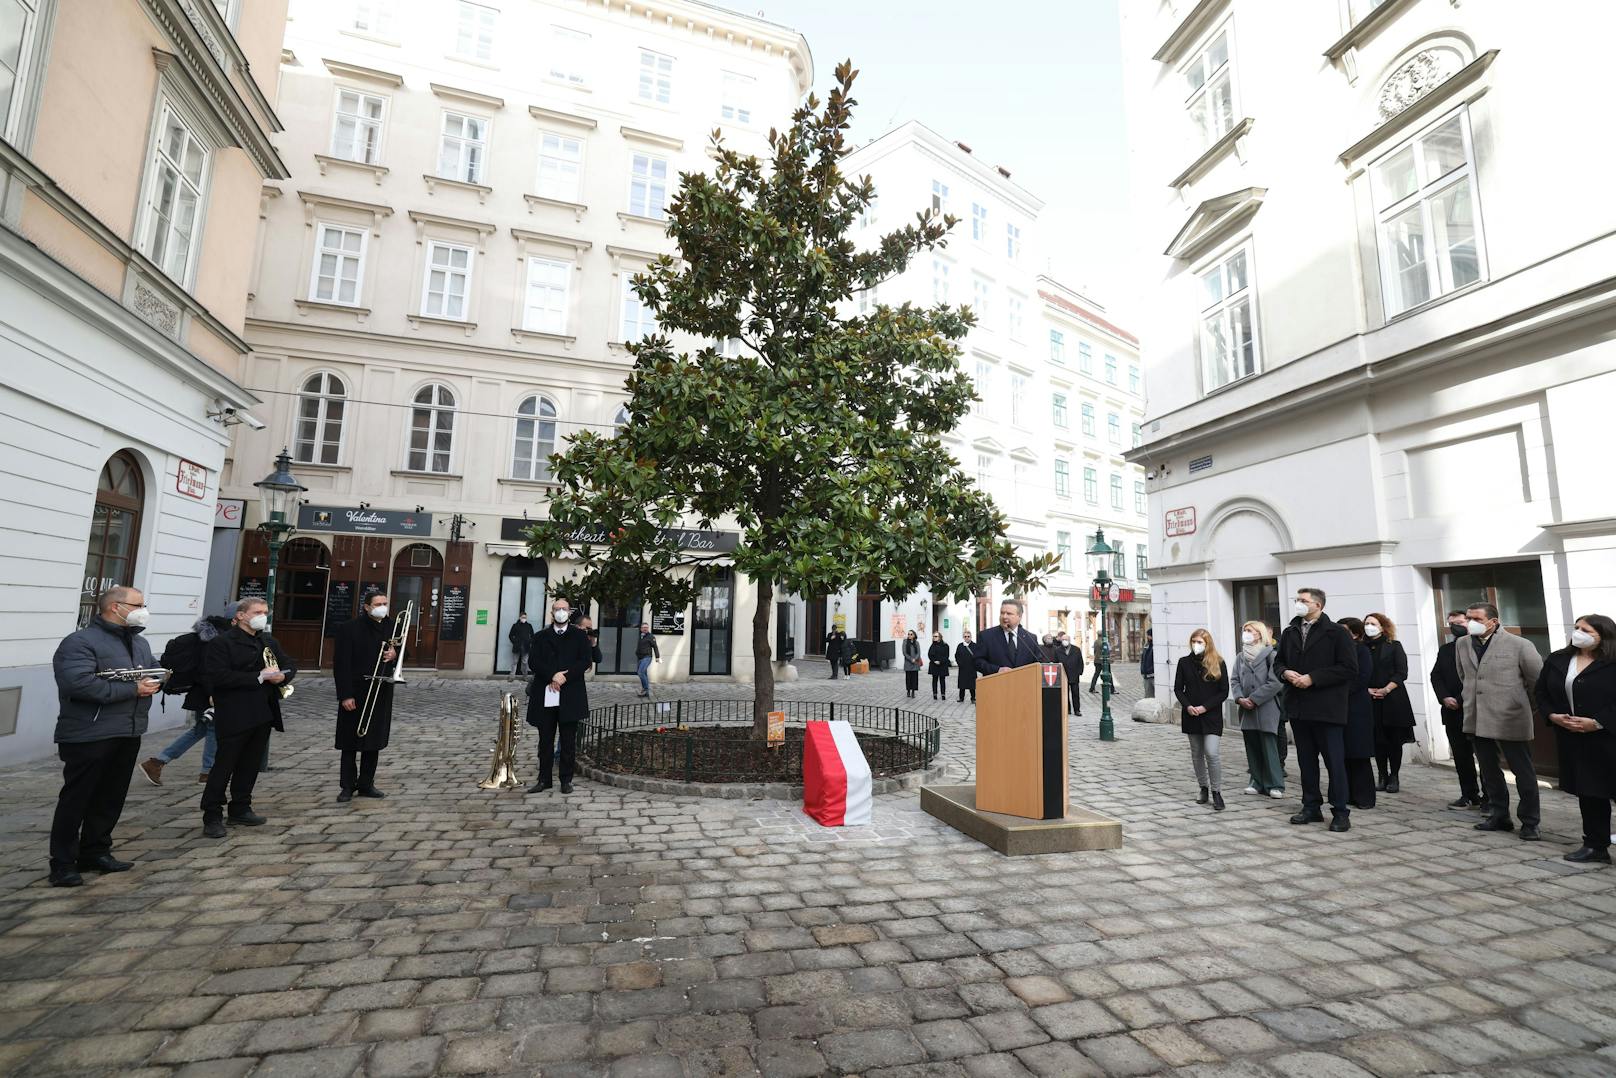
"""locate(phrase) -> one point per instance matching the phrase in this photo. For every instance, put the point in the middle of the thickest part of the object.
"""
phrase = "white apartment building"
(1062, 398)
(1381, 321)
(442, 296)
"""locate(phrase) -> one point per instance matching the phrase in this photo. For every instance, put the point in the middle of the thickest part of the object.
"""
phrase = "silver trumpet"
(502, 773)
(133, 673)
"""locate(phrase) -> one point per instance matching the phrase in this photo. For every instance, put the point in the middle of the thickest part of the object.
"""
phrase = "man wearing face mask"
(1318, 662)
(521, 638)
(1449, 689)
(98, 728)
(557, 698)
(246, 706)
(363, 645)
(1072, 659)
(1500, 672)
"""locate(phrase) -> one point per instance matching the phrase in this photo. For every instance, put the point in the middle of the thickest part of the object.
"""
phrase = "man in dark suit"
(1006, 645)
(557, 698)
(1072, 659)
(246, 706)
(1449, 689)
(363, 650)
(1318, 662)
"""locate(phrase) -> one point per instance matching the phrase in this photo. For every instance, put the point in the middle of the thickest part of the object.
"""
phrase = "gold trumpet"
(502, 773)
(271, 664)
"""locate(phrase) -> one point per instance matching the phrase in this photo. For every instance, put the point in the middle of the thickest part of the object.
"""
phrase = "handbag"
(1232, 713)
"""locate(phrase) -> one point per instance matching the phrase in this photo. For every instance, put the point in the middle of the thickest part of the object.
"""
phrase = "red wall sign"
(1181, 521)
(191, 480)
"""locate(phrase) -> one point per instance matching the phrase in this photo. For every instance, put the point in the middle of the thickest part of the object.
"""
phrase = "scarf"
(1252, 651)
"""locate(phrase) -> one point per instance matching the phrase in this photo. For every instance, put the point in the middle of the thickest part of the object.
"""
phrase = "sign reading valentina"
(328, 518)
(512, 529)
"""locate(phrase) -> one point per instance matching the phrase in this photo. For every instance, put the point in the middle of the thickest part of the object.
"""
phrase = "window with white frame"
(1135, 381)
(1012, 242)
(979, 222)
(173, 202)
(474, 32)
(638, 319)
(648, 187)
(1211, 90)
(1119, 559)
(981, 300)
(448, 281)
(1015, 322)
(1111, 369)
(1063, 478)
(1063, 550)
(1139, 496)
(321, 404)
(1018, 399)
(1057, 347)
(738, 92)
(463, 150)
(622, 418)
(984, 375)
(1229, 349)
(939, 196)
(1142, 556)
(548, 281)
(656, 77)
(1137, 435)
(561, 161)
(1113, 428)
(432, 423)
(17, 19)
(868, 215)
(1058, 406)
(1085, 357)
(1116, 491)
(939, 281)
(1091, 486)
(1087, 411)
(357, 133)
(374, 17)
(1427, 225)
(984, 470)
(535, 438)
(568, 61)
(339, 260)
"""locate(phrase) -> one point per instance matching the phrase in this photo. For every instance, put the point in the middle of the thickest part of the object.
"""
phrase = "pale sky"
(1033, 85)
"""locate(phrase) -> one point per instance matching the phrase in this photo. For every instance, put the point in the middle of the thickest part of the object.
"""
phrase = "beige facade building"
(135, 139)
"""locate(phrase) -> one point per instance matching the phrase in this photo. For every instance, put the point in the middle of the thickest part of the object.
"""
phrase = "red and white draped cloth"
(836, 787)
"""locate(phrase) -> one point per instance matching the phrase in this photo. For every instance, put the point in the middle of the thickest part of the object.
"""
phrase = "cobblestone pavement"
(453, 930)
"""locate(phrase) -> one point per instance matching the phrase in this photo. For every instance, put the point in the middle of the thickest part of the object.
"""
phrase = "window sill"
(417, 320)
(326, 161)
(1234, 140)
(564, 339)
(1437, 301)
(307, 305)
(542, 483)
(311, 466)
(655, 222)
(482, 190)
(578, 208)
(406, 473)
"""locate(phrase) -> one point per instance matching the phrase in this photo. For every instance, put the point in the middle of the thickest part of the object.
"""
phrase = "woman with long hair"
(1358, 740)
(1576, 690)
(911, 664)
(1201, 684)
(1255, 688)
(937, 665)
(1394, 713)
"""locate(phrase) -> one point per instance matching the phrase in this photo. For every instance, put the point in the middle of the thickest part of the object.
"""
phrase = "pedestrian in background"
(1147, 665)
(937, 659)
(1500, 672)
(1072, 659)
(521, 638)
(182, 658)
(911, 664)
(645, 650)
(1200, 686)
(1449, 689)
(965, 660)
(1577, 691)
(1394, 712)
(835, 644)
(1255, 690)
(1358, 743)
(1318, 662)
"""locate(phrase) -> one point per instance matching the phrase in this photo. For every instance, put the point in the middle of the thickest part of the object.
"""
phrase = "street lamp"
(1099, 556)
(278, 496)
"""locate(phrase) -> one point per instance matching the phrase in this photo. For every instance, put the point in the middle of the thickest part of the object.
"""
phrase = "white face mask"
(1371, 630)
(560, 616)
(1476, 628)
(1582, 639)
(1198, 647)
(379, 611)
(258, 622)
(1301, 609)
(137, 617)
(1249, 637)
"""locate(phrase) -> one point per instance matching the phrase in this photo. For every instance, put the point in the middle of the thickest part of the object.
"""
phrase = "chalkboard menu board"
(339, 605)
(668, 621)
(252, 587)
(452, 615)
(367, 588)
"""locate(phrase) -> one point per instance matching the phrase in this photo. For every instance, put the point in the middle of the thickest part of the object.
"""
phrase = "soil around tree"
(726, 754)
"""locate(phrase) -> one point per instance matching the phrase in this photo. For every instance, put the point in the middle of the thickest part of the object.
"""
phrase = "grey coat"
(911, 654)
(1500, 693)
(1256, 681)
(91, 708)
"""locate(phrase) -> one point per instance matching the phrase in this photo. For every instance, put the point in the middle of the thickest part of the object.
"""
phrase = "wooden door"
(418, 578)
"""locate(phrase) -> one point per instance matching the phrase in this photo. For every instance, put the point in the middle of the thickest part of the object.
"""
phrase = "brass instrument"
(133, 673)
(271, 664)
(502, 773)
(373, 691)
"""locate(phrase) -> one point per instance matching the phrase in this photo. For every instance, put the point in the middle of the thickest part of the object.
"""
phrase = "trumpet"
(133, 673)
(271, 664)
(502, 773)
(373, 691)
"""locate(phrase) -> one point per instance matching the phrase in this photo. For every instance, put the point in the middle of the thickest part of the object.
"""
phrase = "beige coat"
(1498, 694)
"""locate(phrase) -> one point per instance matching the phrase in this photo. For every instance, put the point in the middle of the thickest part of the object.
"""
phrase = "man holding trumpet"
(105, 679)
(362, 668)
(247, 673)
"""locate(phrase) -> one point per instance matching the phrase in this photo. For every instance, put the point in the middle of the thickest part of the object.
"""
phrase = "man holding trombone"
(363, 670)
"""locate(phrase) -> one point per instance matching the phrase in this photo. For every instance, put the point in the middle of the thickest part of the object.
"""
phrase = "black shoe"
(1392, 787)
(345, 795)
(1529, 833)
(214, 829)
(1340, 822)
(1463, 802)
(1078, 713)
(105, 863)
(539, 787)
(248, 819)
(1308, 817)
(566, 787)
(67, 877)
(1494, 825)
(1203, 798)
(1380, 783)
(1217, 801)
(370, 791)
(1583, 856)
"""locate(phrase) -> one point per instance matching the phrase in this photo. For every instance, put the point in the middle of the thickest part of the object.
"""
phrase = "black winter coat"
(835, 645)
(240, 701)
(965, 659)
(1191, 688)
(1072, 659)
(1330, 658)
(1360, 737)
(1394, 716)
(569, 651)
(937, 659)
(1587, 761)
(1445, 682)
(521, 636)
(359, 643)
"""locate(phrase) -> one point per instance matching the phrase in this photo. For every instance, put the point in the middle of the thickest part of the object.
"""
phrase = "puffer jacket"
(92, 708)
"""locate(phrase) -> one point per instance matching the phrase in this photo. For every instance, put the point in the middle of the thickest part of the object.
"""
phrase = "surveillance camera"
(1151, 474)
(252, 421)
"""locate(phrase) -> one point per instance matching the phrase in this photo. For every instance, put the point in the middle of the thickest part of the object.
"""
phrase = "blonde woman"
(1201, 685)
(1255, 689)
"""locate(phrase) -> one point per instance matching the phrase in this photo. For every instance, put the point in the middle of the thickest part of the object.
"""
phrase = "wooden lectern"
(1021, 742)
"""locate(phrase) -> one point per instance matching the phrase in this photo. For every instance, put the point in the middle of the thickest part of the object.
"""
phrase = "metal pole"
(1108, 730)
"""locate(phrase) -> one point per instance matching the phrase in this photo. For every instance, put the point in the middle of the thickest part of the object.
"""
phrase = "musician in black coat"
(1449, 689)
(562, 655)
(965, 659)
(363, 649)
(246, 706)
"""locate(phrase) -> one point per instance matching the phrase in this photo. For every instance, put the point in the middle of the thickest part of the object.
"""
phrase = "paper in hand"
(552, 696)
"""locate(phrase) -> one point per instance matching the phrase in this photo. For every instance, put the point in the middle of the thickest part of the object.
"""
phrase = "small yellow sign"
(777, 729)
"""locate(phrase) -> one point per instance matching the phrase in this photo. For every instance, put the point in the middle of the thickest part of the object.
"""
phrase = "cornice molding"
(1189, 29)
(554, 117)
(1442, 96)
(1578, 529)
(346, 70)
(1215, 220)
(526, 236)
(470, 97)
(1215, 153)
(635, 134)
(1374, 548)
(1366, 28)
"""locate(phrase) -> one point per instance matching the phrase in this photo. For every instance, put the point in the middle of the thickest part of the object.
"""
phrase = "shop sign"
(191, 480)
(330, 518)
(482, 617)
(1114, 594)
(1181, 521)
(667, 620)
(512, 529)
(229, 513)
(452, 613)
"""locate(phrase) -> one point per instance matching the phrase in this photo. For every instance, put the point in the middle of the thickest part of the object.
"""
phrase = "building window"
(535, 439)
(357, 134)
(432, 430)
(1119, 560)
(981, 300)
(547, 284)
(174, 197)
(1063, 479)
(1058, 402)
(1137, 434)
(569, 56)
(1228, 330)
(16, 40)
(867, 215)
(939, 281)
(1012, 242)
(1142, 560)
(1425, 202)
(984, 374)
(648, 187)
(448, 281)
(1138, 496)
(321, 407)
(474, 37)
(1085, 357)
(638, 319)
(374, 17)
(984, 470)
(1018, 393)
(1111, 370)
(979, 222)
(1057, 347)
(560, 167)
(1211, 83)
(1063, 549)
(464, 147)
(1113, 428)
(1091, 486)
(1087, 411)
(1134, 379)
(869, 297)
(339, 260)
(120, 498)
(1116, 491)
(622, 418)
(737, 101)
(1013, 317)
(939, 196)
(656, 77)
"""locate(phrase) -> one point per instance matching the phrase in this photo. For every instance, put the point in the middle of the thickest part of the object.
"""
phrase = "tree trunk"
(762, 661)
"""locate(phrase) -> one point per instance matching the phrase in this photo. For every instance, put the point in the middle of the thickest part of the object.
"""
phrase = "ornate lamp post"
(1099, 556)
(278, 496)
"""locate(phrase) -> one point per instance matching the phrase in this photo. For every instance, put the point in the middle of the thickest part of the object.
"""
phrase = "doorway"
(710, 631)
(815, 642)
(1256, 600)
(619, 632)
(523, 584)
(301, 575)
(418, 579)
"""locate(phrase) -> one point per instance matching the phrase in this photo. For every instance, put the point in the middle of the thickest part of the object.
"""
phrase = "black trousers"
(549, 725)
(1074, 691)
(1389, 761)
(939, 684)
(236, 764)
(967, 688)
(1595, 821)
(95, 781)
(1519, 755)
(911, 680)
(1464, 754)
(1095, 680)
(1315, 739)
(835, 666)
(359, 774)
(1361, 783)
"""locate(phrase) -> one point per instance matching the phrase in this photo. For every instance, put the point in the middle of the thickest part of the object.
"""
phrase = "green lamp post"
(1099, 556)
(278, 497)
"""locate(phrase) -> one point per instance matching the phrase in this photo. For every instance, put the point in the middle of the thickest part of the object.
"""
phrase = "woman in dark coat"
(937, 658)
(1394, 714)
(1576, 692)
(911, 664)
(1359, 739)
(1201, 685)
(965, 659)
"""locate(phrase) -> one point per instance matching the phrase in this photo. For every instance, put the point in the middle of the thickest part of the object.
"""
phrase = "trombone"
(373, 691)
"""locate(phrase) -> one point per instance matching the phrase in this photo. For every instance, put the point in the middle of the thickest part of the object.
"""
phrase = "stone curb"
(768, 791)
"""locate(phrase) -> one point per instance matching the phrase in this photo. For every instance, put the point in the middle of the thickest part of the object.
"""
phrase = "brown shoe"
(202, 777)
(153, 770)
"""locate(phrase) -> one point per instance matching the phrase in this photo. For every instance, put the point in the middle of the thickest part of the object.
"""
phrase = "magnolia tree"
(819, 437)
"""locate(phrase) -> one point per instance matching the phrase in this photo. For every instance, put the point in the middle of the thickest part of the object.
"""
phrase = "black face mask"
(1458, 630)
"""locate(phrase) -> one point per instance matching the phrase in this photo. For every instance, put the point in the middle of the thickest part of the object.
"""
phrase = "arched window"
(120, 496)
(321, 407)
(621, 419)
(535, 439)
(432, 429)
